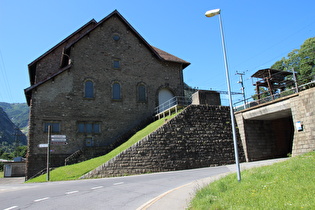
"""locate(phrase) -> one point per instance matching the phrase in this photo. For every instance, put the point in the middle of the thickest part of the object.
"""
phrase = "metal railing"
(175, 101)
(250, 102)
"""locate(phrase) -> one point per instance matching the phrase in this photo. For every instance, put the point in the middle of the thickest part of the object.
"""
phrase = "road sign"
(57, 138)
(43, 145)
(59, 142)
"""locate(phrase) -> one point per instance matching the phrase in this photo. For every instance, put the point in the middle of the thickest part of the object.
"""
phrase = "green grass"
(1, 174)
(286, 185)
(75, 171)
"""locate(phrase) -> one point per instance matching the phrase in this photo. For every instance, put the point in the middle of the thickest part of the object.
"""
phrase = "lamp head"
(213, 12)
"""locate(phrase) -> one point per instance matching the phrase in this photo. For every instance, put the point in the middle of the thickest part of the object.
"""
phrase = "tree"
(302, 60)
(20, 151)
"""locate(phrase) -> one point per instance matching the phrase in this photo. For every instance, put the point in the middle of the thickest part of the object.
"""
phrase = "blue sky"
(257, 33)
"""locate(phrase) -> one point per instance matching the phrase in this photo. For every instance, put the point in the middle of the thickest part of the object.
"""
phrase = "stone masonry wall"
(200, 136)
(303, 109)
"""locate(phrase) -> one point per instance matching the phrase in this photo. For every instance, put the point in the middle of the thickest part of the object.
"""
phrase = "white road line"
(12, 207)
(98, 187)
(41, 199)
(118, 183)
(71, 192)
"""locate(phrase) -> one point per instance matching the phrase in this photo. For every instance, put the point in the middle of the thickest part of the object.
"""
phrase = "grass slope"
(75, 171)
(285, 185)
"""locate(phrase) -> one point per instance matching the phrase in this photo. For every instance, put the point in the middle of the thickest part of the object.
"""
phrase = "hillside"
(12, 117)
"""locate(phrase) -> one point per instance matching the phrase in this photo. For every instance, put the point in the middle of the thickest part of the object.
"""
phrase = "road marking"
(71, 192)
(98, 187)
(118, 183)
(41, 199)
(12, 207)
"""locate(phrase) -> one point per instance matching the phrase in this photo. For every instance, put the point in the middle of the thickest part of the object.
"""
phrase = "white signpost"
(59, 139)
(52, 139)
(43, 145)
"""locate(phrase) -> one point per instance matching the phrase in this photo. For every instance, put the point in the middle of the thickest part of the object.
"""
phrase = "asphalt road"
(168, 190)
(128, 192)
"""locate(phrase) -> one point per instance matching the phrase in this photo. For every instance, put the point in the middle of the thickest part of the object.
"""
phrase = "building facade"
(94, 86)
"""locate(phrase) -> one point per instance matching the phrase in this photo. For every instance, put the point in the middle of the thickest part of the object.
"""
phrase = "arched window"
(142, 93)
(88, 89)
(116, 93)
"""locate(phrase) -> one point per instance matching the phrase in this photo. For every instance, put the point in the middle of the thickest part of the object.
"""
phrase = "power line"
(274, 45)
(5, 78)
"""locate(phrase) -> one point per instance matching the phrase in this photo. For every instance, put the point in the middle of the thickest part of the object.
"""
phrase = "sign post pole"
(48, 152)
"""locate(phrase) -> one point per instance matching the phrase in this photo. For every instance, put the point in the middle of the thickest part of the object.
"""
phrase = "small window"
(89, 142)
(116, 91)
(116, 64)
(88, 89)
(89, 127)
(116, 37)
(55, 127)
(142, 93)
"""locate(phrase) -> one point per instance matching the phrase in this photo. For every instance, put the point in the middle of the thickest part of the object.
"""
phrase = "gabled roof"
(157, 52)
(169, 57)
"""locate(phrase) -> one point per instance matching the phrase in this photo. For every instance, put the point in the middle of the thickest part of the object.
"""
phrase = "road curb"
(180, 197)
(182, 194)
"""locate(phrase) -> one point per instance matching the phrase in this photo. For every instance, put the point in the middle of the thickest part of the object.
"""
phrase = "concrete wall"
(17, 169)
(206, 97)
(269, 130)
(200, 136)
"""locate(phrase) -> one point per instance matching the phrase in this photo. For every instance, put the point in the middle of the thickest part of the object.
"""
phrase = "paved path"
(12, 180)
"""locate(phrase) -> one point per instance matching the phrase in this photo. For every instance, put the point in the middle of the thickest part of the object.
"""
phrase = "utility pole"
(295, 81)
(242, 88)
(16, 138)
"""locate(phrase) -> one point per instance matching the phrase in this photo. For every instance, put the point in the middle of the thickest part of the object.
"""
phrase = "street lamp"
(212, 13)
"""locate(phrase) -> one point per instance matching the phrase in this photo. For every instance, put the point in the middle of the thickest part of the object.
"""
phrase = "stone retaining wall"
(200, 136)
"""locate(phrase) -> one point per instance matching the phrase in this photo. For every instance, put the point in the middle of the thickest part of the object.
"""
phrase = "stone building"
(94, 86)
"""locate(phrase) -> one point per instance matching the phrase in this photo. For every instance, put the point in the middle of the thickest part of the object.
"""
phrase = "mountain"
(13, 119)
(9, 132)
(17, 112)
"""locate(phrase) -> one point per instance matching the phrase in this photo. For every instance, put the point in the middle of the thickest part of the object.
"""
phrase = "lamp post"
(212, 13)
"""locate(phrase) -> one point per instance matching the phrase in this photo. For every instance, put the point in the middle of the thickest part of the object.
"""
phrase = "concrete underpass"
(270, 130)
